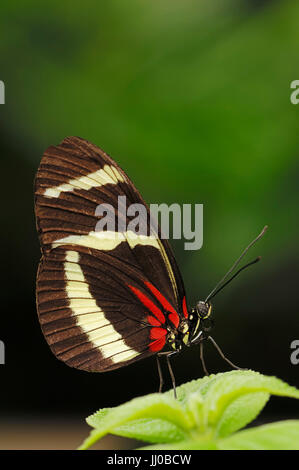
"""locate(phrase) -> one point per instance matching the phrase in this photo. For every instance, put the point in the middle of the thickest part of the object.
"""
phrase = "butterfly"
(108, 297)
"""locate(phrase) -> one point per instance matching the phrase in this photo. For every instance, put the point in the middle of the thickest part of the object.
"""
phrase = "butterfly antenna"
(220, 284)
(236, 274)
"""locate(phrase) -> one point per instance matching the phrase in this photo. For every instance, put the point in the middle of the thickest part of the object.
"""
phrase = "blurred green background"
(192, 99)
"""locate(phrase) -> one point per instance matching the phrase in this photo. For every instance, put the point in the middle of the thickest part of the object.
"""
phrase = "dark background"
(193, 100)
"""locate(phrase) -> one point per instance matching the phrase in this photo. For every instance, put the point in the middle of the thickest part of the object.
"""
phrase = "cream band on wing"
(106, 241)
(89, 316)
(107, 175)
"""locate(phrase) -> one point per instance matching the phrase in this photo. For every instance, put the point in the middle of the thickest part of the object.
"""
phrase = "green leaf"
(277, 436)
(156, 405)
(206, 412)
(220, 409)
(151, 430)
(240, 412)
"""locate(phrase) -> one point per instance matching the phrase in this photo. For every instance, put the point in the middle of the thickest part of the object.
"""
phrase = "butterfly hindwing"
(104, 297)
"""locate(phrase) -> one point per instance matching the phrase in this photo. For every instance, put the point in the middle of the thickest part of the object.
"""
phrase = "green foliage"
(207, 415)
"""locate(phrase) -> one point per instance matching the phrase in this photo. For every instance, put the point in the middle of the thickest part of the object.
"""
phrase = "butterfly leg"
(160, 373)
(223, 356)
(168, 355)
(171, 373)
(202, 358)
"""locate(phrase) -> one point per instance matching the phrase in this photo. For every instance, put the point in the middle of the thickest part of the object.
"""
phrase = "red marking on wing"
(157, 345)
(174, 318)
(157, 333)
(148, 304)
(160, 297)
(153, 321)
(185, 311)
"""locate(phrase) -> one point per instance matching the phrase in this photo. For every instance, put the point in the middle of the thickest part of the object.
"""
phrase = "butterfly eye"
(203, 309)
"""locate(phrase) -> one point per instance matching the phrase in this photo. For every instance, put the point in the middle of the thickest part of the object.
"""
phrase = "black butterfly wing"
(104, 297)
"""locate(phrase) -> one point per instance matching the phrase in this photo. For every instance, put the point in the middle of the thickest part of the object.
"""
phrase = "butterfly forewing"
(104, 297)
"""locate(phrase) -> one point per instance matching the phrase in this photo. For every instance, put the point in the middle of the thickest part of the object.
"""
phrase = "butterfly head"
(203, 309)
(199, 320)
